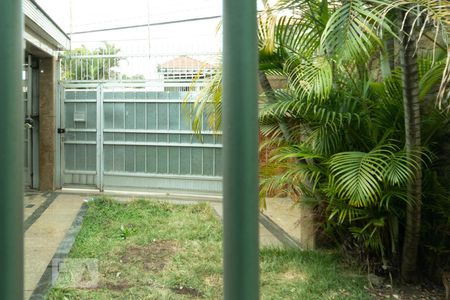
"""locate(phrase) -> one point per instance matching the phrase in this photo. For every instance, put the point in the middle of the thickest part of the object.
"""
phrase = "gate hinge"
(61, 130)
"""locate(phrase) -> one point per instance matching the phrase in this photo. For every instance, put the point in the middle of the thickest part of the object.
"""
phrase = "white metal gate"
(134, 136)
(31, 128)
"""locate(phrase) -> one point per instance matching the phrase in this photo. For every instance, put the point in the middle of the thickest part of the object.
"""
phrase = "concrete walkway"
(266, 238)
(48, 218)
(53, 219)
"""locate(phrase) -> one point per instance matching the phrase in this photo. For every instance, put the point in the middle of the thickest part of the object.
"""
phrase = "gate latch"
(61, 130)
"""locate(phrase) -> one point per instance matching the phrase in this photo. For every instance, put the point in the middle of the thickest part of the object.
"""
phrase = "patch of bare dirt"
(118, 286)
(407, 292)
(214, 280)
(153, 257)
(293, 275)
(184, 290)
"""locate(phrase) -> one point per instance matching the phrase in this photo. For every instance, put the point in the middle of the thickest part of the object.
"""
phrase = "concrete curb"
(281, 235)
(45, 283)
(40, 210)
(278, 232)
(217, 198)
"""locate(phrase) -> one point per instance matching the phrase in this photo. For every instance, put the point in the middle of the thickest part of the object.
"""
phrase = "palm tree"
(412, 117)
(344, 137)
(350, 34)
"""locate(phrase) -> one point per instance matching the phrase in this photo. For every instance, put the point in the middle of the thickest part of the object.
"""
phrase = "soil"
(408, 292)
(293, 275)
(214, 280)
(153, 257)
(120, 286)
(183, 290)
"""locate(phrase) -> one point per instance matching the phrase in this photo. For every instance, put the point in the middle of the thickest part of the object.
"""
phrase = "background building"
(43, 39)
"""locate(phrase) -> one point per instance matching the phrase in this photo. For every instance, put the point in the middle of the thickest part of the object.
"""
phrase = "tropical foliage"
(360, 130)
(86, 64)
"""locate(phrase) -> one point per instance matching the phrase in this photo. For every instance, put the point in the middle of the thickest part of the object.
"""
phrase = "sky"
(83, 15)
(186, 38)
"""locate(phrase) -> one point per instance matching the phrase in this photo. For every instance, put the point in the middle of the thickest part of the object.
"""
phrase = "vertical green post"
(240, 146)
(11, 150)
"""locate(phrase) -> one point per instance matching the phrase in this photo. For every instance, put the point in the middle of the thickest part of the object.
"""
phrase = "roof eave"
(42, 25)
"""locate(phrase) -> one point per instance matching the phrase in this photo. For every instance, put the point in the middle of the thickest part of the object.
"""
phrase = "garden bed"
(157, 250)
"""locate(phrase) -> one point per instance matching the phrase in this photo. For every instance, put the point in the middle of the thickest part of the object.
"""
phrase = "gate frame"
(60, 122)
(100, 86)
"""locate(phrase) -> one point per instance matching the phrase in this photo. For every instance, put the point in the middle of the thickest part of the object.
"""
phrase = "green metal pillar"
(11, 150)
(240, 146)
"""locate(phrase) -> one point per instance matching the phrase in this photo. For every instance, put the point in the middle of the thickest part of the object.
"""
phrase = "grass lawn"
(156, 250)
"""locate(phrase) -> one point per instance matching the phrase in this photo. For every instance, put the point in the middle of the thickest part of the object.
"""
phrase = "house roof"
(185, 62)
(41, 32)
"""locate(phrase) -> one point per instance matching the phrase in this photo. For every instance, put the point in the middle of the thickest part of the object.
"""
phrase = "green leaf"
(351, 32)
(358, 176)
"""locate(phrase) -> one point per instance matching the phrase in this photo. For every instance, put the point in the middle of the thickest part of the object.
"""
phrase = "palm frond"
(207, 105)
(358, 176)
(391, 197)
(286, 153)
(289, 104)
(341, 210)
(270, 130)
(318, 11)
(430, 77)
(434, 14)
(313, 78)
(288, 172)
(326, 140)
(266, 32)
(297, 36)
(401, 168)
(351, 32)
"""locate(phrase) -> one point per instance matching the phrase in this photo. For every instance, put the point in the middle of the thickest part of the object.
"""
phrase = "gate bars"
(240, 146)
(143, 139)
(11, 150)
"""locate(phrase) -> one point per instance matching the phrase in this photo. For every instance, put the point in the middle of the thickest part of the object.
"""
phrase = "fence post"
(240, 131)
(11, 150)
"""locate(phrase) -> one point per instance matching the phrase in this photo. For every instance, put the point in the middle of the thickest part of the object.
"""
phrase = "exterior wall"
(308, 227)
(296, 218)
(47, 120)
(43, 39)
(276, 82)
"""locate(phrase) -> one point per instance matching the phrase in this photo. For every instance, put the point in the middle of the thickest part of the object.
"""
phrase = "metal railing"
(157, 87)
(108, 63)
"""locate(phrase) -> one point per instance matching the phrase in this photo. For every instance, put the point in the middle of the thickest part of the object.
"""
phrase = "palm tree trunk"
(411, 105)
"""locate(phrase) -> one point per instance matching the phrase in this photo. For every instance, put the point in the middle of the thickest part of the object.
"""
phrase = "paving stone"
(45, 235)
